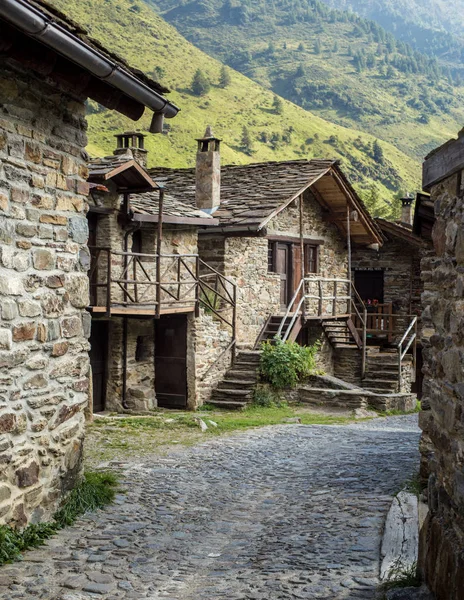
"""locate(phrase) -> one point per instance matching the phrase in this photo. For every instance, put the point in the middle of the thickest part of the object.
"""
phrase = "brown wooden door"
(283, 268)
(296, 270)
(99, 362)
(171, 361)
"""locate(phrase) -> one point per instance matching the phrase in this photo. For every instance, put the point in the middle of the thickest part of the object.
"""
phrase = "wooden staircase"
(342, 333)
(235, 390)
(272, 325)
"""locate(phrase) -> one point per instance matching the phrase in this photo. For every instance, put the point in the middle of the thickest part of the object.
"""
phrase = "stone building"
(442, 422)
(388, 280)
(156, 334)
(47, 71)
(286, 235)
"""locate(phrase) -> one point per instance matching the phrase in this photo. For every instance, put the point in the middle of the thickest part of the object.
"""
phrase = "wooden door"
(99, 362)
(296, 271)
(171, 361)
(283, 268)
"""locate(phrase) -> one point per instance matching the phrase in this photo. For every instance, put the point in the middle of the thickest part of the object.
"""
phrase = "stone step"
(237, 384)
(228, 404)
(245, 366)
(249, 357)
(380, 384)
(242, 375)
(385, 374)
(236, 394)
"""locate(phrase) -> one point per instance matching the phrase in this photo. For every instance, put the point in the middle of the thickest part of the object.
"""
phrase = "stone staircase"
(381, 372)
(235, 391)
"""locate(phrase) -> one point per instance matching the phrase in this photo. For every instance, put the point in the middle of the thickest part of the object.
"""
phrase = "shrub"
(265, 396)
(200, 83)
(284, 364)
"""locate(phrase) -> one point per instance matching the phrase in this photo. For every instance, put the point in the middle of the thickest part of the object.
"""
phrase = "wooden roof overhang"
(390, 228)
(424, 217)
(336, 196)
(128, 177)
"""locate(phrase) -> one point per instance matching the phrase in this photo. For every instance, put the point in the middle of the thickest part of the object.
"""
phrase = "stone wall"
(208, 339)
(401, 264)
(245, 260)
(442, 421)
(43, 294)
(325, 356)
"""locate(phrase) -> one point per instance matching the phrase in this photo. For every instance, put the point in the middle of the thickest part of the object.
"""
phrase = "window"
(137, 242)
(143, 348)
(271, 257)
(310, 258)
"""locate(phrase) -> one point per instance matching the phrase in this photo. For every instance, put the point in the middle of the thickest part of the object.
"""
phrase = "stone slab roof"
(147, 204)
(252, 194)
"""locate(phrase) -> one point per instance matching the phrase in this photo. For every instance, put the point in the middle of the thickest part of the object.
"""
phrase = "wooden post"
(321, 304)
(158, 253)
(108, 285)
(301, 207)
(364, 348)
(234, 325)
(334, 307)
(197, 287)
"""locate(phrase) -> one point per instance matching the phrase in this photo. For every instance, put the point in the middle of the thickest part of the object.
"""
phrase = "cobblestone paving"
(279, 513)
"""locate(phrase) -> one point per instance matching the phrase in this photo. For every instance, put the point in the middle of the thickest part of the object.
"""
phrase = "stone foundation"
(43, 294)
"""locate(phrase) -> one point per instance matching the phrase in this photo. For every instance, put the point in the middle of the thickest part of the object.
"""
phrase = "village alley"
(282, 512)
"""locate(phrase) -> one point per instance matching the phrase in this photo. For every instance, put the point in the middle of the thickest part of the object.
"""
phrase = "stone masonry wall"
(43, 294)
(401, 264)
(442, 419)
(246, 259)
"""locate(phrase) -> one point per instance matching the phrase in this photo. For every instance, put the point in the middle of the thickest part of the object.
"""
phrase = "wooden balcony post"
(197, 287)
(158, 254)
(108, 284)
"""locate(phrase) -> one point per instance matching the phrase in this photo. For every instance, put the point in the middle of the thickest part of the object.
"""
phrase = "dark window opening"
(137, 242)
(271, 257)
(143, 348)
(311, 258)
(370, 285)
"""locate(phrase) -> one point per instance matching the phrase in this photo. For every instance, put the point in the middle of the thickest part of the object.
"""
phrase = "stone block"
(60, 349)
(6, 340)
(7, 423)
(24, 332)
(26, 230)
(29, 308)
(20, 195)
(53, 219)
(44, 202)
(3, 203)
(32, 152)
(43, 259)
(11, 286)
(71, 327)
(7, 231)
(79, 229)
(52, 305)
(36, 382)
(5, 493)
(77, 286)
(27, 476)
(70, 203)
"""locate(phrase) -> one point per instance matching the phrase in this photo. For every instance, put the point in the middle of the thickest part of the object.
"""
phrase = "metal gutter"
(35, 24)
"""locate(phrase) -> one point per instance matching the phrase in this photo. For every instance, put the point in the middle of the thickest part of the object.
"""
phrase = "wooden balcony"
(150, 285)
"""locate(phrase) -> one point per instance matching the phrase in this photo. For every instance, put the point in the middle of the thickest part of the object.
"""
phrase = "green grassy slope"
(341, 67)
(149, 43)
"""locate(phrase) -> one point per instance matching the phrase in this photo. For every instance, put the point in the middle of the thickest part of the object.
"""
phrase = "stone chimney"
(208, 172)
(406, 211)
(133, 141)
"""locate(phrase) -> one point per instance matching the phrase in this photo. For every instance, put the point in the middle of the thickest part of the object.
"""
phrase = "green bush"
(267, 397)
(95, 491)
(284, 364)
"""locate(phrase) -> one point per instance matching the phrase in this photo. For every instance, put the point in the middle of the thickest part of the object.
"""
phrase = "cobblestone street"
(279, 513)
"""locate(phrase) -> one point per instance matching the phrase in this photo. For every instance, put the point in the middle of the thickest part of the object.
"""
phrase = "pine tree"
(377, 152)
(247, 142)
(224, 77)
(278, 105)
(200, 83)
(317, 47)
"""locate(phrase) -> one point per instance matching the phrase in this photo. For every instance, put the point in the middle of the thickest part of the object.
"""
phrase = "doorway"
(99, 363)
(92, 219)
(370, 285)
(171, 361)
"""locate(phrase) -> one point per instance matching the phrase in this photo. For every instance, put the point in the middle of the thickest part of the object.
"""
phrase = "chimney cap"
(407, 200)
(209, 135)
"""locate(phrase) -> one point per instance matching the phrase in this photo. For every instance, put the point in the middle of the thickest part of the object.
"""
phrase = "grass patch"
(95, 491)
(400, 576)
(124, 438)
(414, 485)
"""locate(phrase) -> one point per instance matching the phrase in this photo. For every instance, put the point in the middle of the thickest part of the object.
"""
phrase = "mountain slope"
(149, 43)
(435, 27)
(341, 67)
